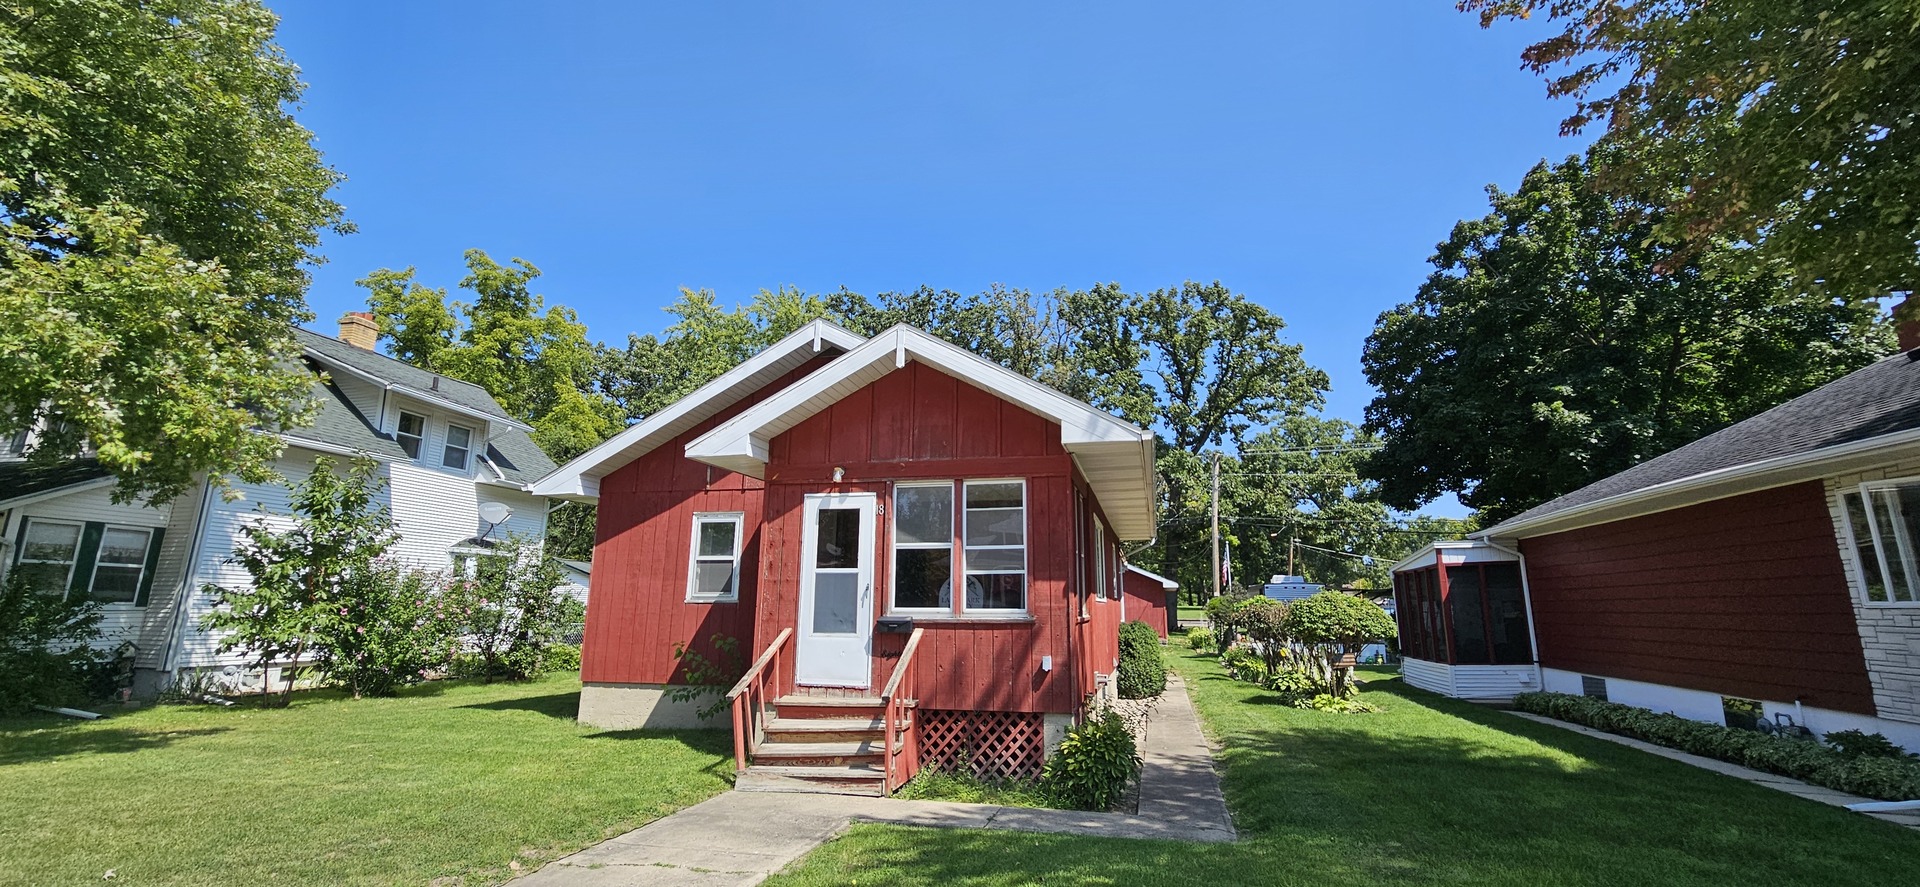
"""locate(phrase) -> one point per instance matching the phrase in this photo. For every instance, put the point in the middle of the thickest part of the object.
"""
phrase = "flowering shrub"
(513, 609)
(389, 626)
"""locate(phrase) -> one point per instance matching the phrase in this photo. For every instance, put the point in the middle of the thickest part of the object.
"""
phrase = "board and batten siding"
(1889, 633)
(118, 621)
(1744, 596)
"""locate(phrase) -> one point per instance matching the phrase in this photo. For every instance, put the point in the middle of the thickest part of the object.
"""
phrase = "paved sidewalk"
(1822, 794)
(740, 838)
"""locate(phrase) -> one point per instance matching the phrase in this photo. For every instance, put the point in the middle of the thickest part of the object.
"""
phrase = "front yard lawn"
(1428, 791)
(459, 781)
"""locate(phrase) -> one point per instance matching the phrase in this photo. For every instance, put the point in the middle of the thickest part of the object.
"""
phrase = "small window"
(1883, 529)
(47, 554)
(1099, 558)
(17, 445)
(121, 565)
(714, 574)
(459, 445)
(1742, 714)
(922, 545)
(995, 543)
(1593, 687)
(412, 432)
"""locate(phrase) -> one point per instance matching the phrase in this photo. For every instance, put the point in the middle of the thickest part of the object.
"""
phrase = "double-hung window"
(994, 538)
(121, 565)
(107, 564)
(713, 576)
(923, 546)
(1099, 558)
(411, 433)
(48, 552)
(459, 445)
(1883, 526)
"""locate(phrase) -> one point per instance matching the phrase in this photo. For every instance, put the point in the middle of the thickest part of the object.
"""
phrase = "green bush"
(1856, 744)
(1294, 686)
(1264, 622)
(1201, 639)
(1331, 623)
(1243, 664)
(1220, 614)
(1330, 702)
(1885, 778)
(563, 657)
(1142, 673)
(34, 624)
(388, 626)
(1093, 765)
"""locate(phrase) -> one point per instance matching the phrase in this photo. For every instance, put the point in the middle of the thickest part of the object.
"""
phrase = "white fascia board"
(1165, 583)
(1707, 486)
(579, 478)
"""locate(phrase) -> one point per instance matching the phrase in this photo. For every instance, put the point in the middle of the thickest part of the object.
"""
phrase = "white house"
(457, 469)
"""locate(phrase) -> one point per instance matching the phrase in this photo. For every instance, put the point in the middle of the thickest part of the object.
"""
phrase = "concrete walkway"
(1822, 794)
(740, 838)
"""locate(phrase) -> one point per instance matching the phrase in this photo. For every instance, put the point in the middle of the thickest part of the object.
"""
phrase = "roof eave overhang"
(415, 393)
(93, 483)
(1736, 480)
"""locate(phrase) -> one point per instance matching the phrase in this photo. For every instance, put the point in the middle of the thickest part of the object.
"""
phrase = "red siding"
(638, 610)
(1743, 596)
(1147, 601)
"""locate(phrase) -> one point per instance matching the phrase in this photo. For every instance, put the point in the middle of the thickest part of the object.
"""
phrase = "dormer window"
(459, 446)
(411, 433)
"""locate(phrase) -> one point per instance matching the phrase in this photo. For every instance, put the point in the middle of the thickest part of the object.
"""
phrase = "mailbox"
(895, 625)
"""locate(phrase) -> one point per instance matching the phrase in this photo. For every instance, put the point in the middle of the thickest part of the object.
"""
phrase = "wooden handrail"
(760, 663)
(900, 668)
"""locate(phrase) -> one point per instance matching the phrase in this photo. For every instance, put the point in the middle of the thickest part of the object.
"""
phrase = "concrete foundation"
(641, 707)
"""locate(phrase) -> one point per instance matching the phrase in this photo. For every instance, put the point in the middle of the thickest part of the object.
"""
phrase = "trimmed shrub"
(563, 657)
(1884, 778)
(1094, 764)
(1856, 744)
(1220, 614)
(1201, 639)
(1264, 622)
(1142, 673)
(1331, 623)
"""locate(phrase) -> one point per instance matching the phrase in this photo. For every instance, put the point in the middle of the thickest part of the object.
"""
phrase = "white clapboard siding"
(222, 533)
(364, 395)
(118, 622)
(1482, 682)
(1432, 677)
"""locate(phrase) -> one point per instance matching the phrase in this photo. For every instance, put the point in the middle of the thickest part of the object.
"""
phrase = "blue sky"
(1309, 156)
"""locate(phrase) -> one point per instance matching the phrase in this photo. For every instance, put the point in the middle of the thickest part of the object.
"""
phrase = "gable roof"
(1165, 583)
(426, 385)
(21, 480)
(1116, 456)
(580, 478)
(1852, 420)
(338, 424)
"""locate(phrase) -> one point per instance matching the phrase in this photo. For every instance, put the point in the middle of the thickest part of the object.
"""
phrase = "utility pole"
(1291, 542)
(1216, 523)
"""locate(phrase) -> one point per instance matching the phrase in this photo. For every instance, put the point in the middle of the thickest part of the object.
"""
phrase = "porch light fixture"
(838, 473)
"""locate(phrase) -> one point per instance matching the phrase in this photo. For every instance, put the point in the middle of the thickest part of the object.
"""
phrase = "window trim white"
(1907, 546)
(1099, 547)
(401, 437)
(146, 554)
(1026, 561)
(73, 562)
(466, 452)
(894, 546)
(739, 520)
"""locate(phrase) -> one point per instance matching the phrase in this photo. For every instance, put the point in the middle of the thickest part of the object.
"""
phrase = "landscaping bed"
(466, 782)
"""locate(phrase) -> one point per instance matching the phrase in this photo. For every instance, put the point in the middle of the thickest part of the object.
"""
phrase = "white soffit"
(1115, 456)
(579, 479)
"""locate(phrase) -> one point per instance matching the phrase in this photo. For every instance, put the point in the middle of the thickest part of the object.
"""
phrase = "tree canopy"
(1790, 124)
(158, 208)
(1561, 339)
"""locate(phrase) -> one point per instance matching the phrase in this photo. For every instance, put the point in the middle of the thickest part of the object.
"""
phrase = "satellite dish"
(495, 513)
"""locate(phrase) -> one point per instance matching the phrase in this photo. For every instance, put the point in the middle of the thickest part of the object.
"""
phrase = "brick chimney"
(1907, 315)
(357, 328)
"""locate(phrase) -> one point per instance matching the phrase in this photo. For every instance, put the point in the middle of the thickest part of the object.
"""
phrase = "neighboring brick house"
(1773, 566)
(445, 449)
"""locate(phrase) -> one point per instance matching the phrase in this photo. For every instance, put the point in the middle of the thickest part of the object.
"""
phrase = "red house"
(1767, 572)
(915, 550)
(1150, 598)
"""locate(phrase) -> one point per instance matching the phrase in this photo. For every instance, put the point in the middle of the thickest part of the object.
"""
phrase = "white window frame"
(466, 452)
(1099, 559)
(401, 437)
(1026, 562)
(73, 562)
(1904, 545)
(146, 554)
(893, 550)
(739, 520)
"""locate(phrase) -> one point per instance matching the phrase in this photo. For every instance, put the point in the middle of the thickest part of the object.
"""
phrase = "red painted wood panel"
(1147, 602)
(1743, 596)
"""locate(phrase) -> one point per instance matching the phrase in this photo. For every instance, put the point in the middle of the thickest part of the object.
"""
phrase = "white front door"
(836, 591)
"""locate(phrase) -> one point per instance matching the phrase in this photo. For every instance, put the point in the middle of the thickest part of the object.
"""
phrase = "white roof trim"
(1428, 555)
(580, 478)
(1116, 456)
(1165, 583)
(1707, 486)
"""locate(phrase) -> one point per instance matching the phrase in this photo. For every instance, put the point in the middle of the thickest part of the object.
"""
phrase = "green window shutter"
(19, 537)
(84, 558)
(153, 563)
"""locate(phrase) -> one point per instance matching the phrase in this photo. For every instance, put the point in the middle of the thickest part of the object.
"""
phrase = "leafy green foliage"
(514, 609)
(388, 627)
(46, 655)
(1142, 674)
(563, 657)
(711, 673)
(1860, 744)
(1201, 639)
(1295, 686)
(1264, 622)
(1243, 665)
(305, 575)
(1093, 765)
(1331, 624)
(1560, 340)
(158, 205)
(1785, 124)
(1873, 776)
(962, 783)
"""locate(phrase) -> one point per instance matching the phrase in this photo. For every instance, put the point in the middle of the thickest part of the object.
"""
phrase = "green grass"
(938, 785)
(1190, 611)
(1428, 791)
(450, 780)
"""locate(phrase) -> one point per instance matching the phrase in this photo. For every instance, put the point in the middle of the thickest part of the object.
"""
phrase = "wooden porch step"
(824, 729)
(856, 779)
(820, 754)
(811, 707)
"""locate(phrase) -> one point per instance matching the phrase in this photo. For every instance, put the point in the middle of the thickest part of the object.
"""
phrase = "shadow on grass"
(47, 745)
(565, 706)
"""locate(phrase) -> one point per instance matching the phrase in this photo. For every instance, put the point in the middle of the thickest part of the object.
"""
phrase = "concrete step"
(824, 729)
(856, 779)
